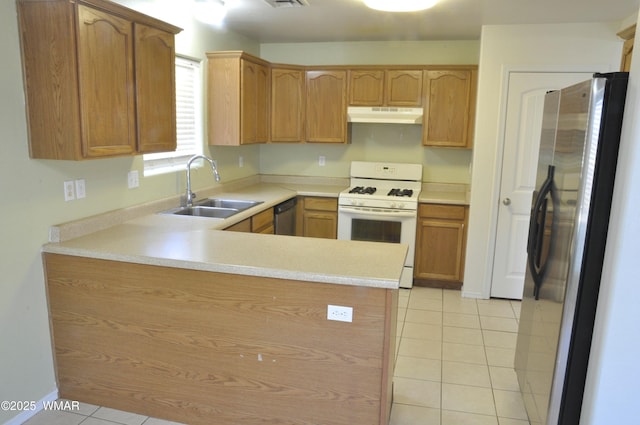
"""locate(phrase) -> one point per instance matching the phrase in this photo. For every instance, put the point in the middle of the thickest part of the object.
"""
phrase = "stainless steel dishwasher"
(285, 217)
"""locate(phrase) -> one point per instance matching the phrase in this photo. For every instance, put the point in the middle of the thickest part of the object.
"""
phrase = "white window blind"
(188, 121)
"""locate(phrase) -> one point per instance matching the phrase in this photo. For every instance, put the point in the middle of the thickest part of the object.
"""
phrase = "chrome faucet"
(190, 194)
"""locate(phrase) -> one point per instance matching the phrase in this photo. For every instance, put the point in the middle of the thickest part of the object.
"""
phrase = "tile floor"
(454, 366)
(455, 361)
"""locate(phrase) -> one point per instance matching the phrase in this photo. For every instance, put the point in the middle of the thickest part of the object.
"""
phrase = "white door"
(525, 99)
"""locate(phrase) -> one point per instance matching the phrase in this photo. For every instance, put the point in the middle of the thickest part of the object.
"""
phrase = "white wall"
(31, 200)
(575, 47)
(399, 143)
(374, 52)
(613, 381)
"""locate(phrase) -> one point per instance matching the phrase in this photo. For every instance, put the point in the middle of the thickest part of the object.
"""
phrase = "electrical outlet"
(240, 161)
(322, 160)
(339, 313)
(133, 179)
(81, 191)
(69, 190)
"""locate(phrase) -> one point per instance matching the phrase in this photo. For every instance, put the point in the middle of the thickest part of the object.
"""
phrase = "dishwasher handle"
(285, 206)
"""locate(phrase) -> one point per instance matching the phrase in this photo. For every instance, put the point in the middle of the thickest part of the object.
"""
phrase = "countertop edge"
(55, 248)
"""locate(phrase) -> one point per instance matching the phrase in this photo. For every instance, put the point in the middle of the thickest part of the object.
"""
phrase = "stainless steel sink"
(214, 208)
(201, 211)
(238, 204)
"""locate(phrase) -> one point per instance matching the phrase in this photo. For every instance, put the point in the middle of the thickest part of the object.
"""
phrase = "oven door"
(381, 225)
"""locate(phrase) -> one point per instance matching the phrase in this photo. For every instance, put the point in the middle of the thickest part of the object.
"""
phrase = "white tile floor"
(455, 361)
(454, 366)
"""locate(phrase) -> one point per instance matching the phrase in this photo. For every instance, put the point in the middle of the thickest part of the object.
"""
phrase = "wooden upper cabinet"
(403, 88)
(255, 103)
(326, 106)
(107, 103)
(380, 87)
(155, 89)
(238, 99)
(628, 35)
(366, 87)
(287, 105)
(84, 65)
(449, 108)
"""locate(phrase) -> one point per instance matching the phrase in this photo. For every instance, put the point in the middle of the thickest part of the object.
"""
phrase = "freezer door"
(554, 335)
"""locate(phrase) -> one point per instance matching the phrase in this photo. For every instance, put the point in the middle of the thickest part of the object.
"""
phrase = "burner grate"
(361, 190)
(400, 192)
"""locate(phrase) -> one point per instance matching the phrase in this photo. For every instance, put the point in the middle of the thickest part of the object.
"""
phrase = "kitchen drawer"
(243, 226)
(262, 221)
(449, 212)
(320, 203)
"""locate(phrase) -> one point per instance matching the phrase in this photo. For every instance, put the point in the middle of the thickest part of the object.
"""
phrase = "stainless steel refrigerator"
(567, 234)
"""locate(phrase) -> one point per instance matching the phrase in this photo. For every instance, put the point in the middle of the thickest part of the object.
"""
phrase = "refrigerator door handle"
(536, 233)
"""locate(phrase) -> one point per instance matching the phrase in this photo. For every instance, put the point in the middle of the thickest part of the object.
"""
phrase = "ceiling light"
(210, 11)
(400, 5)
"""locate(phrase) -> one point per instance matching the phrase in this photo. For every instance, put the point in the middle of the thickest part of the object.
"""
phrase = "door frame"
(494, 206)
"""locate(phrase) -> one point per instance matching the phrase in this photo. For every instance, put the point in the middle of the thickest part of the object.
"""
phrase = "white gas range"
(381, 205)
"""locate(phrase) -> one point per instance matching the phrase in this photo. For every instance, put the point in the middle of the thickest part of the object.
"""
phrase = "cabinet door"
(447, 109)
(254, 103)
(366, 87)
(319, 224)
(155, 89)
(439, 250)
(105, 63)
(319, 217)
(404, 88)
(326, 106)
(441, 242)
(287, 105)
(243, 226)
(263, 222)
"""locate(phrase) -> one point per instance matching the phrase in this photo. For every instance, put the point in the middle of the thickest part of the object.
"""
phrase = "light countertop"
(198, 243)
(141, 235)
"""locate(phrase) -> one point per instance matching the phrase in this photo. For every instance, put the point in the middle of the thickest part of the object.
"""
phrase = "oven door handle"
(387, 213)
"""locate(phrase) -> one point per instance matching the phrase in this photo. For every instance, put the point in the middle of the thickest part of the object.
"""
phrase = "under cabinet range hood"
(380, 114)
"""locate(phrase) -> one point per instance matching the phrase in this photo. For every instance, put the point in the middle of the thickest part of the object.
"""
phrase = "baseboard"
(435, 283)
(28, 414)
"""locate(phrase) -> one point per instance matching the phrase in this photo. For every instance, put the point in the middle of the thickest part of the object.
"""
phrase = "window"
(188, 121)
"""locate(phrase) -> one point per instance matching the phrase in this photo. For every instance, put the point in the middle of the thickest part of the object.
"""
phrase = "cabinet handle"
(506, 201)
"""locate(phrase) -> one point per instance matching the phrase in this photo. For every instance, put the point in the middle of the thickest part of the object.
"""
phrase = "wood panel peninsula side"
(214, 327)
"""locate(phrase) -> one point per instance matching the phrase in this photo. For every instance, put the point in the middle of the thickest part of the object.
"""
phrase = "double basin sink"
(214, 208)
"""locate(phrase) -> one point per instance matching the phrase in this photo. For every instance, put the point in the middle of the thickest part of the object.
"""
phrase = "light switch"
(133, 179)
(80, 189)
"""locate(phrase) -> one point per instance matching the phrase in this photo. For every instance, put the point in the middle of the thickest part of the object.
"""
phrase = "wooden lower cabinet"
(242, 226)
(213, 348)
(262, 222)
(440, 245)
(318, 217)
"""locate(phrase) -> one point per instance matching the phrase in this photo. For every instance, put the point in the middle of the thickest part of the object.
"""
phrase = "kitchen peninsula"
(170, 317)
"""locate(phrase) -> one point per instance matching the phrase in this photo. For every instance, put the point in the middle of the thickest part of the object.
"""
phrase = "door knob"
(506, 201)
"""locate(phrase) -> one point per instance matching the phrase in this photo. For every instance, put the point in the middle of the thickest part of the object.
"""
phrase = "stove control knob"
(400, 205)
(393, 205)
